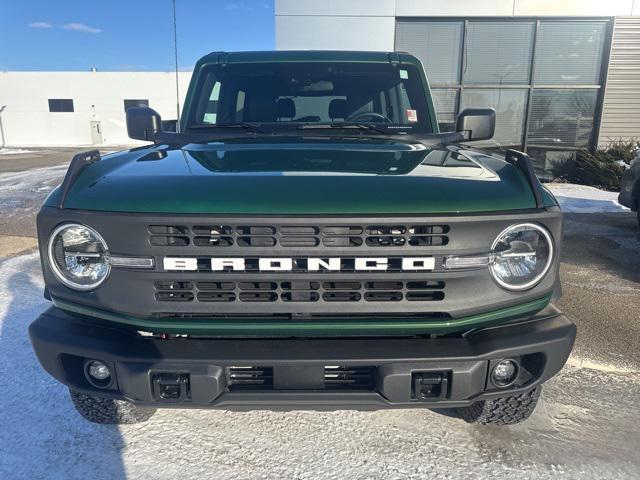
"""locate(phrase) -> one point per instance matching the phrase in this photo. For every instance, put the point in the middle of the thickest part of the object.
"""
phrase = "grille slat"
(349, 378)
(216, 297)
(250, 378)
(300, 236)
(300, 291)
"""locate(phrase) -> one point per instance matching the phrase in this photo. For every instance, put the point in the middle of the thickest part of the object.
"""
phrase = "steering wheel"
(360, 117)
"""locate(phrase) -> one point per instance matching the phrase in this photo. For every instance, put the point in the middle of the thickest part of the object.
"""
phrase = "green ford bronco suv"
(308, 239)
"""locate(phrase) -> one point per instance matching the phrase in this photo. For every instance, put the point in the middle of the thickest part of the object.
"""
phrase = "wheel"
(108, 410)
(503, 410)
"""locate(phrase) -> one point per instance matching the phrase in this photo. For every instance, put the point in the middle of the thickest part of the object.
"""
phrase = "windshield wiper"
(356, 125)
(244, 125)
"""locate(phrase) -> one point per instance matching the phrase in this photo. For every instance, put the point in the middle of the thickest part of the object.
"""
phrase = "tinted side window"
(211, 112)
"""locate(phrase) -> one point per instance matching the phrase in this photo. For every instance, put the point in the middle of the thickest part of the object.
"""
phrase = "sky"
(119, 35)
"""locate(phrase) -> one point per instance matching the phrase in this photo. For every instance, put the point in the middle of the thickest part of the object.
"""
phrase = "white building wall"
(370, 24)
(508, 8)
(569, 8)
(454, 8)
(97, 96)
(335, 24)
(334, 33)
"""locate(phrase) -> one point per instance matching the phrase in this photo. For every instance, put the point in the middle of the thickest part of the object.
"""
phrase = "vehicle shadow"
(42, 436)
(609, 241)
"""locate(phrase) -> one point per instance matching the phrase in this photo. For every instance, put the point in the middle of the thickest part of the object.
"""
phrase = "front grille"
(336, 377)
(360, 274)
(321, 290)
(299, 236)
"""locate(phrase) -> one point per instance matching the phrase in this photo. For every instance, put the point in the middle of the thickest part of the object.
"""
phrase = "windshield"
(383, 97)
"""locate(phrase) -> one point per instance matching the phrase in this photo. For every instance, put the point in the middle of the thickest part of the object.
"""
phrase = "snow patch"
(19, 189)
(13, 151)
(584, 199)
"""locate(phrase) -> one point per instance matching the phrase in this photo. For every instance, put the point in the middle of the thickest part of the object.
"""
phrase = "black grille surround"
(449, 295)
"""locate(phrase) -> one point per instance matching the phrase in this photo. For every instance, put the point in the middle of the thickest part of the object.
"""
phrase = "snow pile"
(13, 151)
(584, 199)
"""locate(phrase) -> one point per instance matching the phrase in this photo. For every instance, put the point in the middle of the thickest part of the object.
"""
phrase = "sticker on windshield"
(404, 74)
(412, 116)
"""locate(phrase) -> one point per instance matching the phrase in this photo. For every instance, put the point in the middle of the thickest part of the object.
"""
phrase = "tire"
(503, 410)
(108, 410)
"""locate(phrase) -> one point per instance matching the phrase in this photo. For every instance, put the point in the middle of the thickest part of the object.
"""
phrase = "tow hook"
(429, 386)
(171, 387)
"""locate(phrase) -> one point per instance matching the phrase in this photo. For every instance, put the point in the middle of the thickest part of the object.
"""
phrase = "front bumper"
(63, 343)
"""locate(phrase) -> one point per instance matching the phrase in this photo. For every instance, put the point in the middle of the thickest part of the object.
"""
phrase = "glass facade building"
(544, 77)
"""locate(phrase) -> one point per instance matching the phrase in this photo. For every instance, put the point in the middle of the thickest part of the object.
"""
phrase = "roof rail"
(394, 58)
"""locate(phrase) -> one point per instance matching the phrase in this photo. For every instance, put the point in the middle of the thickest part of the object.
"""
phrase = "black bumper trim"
(57, 336)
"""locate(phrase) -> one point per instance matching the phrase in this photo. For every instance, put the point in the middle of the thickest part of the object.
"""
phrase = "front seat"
(285, 108)
(337, 109)
(357, 105)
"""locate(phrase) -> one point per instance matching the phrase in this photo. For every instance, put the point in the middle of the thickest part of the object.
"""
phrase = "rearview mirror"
(143, 123)
(476, 123)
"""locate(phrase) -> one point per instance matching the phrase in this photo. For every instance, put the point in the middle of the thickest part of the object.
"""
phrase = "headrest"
(286, 108)
(337, 108)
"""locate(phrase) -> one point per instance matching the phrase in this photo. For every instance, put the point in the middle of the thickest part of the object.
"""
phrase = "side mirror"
(476, 123)
(143, 123)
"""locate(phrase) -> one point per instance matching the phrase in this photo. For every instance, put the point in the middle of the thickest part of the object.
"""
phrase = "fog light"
(98, 371)
(504, 373)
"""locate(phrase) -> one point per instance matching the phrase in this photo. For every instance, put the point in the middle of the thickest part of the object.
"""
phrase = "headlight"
(522, 255)
(78, 256)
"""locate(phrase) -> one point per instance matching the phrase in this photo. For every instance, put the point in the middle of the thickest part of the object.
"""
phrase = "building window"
(128, 103)
(542, 76)
(510, 105)
(445, 101)
(498, 53)
(569, 53)
(437, 44)
(60, 105)
(562, 118)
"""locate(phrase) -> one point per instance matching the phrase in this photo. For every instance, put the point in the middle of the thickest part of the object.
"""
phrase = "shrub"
(623, 150)
(602, 168)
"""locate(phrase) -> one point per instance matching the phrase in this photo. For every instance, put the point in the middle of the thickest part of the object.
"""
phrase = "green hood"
(294, 176)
